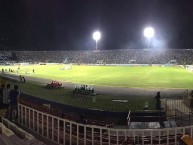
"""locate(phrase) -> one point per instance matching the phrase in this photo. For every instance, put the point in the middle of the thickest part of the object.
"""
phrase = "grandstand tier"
(121, 56)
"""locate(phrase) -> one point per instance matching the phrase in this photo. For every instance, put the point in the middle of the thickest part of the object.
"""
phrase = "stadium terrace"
(123, 56)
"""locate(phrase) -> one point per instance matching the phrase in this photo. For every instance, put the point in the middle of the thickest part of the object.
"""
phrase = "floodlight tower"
(148, 33)
(96, 36)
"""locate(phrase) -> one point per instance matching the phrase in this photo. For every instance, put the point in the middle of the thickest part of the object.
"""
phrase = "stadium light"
(149, 33)
(96, 36)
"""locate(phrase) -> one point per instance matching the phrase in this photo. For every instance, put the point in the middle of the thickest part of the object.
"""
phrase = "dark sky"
(68, 24)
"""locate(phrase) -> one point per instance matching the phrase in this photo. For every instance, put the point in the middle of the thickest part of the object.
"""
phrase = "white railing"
(66, 132)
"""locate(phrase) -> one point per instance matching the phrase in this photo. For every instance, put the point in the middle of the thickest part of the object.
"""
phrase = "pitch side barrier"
(67, 132)
(68, 108)
(12, 77)
(114, 64)
(156, 65)
(31, 63)
(119, 64)
(189, 68)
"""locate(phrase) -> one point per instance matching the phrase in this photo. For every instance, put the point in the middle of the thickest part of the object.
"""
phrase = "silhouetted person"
(1, 95)
(158, 102)
(23, 79)
(14, 97)
(83, 120)
(20, 78)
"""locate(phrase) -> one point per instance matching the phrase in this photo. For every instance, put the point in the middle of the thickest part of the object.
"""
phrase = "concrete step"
(6, 140)
(5, 130)
(34, 142)
(17, 130)
(2, 141)
(17, 140)
(37, 142)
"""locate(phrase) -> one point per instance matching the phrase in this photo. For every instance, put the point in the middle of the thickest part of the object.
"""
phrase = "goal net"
(173, 61)
(132, 61)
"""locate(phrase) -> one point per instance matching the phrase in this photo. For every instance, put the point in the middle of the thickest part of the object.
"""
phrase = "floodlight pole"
(148, 42)
(96, 44)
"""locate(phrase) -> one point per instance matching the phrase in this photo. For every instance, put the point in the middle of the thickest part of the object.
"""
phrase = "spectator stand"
(54, 85)
(82, 90)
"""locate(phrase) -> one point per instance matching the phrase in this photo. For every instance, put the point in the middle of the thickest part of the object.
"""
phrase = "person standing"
(6, 98)
(13, 106)
(158, 102)
(1, 95)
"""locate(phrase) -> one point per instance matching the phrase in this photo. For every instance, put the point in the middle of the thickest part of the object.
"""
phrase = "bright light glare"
(149, 32)
(96, 35)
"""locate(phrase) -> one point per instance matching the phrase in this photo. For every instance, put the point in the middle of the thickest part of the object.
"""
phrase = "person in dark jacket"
(13, 105)
(158, 102)
(1, 95)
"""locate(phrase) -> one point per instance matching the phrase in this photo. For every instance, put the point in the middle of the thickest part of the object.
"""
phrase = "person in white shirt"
(6, 97)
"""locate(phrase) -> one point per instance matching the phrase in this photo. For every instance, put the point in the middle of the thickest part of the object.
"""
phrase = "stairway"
(11, 134)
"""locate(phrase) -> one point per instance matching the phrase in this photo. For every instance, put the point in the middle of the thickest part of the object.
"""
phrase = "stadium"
(103, 96)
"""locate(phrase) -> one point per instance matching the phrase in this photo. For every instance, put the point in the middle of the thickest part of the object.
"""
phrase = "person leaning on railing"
(14, 97)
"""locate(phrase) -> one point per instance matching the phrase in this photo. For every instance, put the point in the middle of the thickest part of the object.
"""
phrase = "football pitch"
(118, 76)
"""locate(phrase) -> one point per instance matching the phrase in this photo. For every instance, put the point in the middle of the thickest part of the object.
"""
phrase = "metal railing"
(67, 132)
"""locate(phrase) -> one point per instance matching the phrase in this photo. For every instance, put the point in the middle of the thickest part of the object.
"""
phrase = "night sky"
(69, 24)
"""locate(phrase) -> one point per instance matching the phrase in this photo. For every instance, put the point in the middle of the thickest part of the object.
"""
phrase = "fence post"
(33, 120)
(25, 116)
(64, 132)
(29, 117)
(70, 132)
(22, 115)
(42, 124)
(47, 131)
(18, 110)
(109, 137)
(84, 135)
(77, 139)
(92, 136)
(38, 122)
(52, 128)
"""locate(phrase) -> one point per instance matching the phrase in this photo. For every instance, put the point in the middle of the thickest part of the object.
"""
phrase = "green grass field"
(119, 76)
(141, 77)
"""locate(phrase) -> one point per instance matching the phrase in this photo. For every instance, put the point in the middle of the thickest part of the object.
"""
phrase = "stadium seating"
(121, 56)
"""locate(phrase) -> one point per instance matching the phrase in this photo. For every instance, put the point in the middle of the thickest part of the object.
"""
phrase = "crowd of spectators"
(120, 56)
(4, 55)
